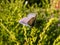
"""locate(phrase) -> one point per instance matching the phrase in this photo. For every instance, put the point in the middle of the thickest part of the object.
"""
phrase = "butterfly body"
(29, 20)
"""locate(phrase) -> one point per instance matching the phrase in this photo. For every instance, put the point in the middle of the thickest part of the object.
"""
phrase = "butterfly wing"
(31, 21)
(24, 21)
(31, 15)
(28, 21)
(32, 18)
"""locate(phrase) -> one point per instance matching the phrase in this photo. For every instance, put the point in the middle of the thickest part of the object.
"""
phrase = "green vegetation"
(45, 31)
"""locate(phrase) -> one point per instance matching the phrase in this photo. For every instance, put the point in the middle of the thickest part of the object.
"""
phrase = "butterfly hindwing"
(31, 21)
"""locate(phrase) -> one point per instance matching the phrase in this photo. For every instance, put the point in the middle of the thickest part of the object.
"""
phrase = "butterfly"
(29, 20)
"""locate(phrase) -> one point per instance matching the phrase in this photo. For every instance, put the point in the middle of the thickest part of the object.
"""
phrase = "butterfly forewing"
(24, 21)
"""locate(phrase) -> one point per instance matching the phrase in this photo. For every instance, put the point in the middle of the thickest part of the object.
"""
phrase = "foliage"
(40, 3)
(44, 32)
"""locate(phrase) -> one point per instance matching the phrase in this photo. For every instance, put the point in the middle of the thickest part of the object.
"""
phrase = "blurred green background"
(46, 30)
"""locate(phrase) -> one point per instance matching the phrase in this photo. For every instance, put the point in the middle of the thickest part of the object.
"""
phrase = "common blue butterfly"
(29, 20)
